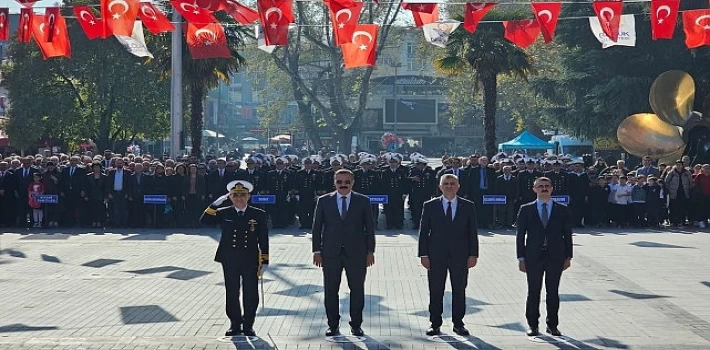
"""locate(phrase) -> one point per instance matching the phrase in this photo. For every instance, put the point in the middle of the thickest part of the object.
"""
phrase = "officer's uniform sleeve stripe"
(210, 211)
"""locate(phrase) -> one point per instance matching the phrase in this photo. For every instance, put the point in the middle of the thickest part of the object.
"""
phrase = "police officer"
(243, 252)
(279, 182)
(395, 186)
(307, 182)
(559, 177)
(422, 179)
(367, 181)
(526, 178)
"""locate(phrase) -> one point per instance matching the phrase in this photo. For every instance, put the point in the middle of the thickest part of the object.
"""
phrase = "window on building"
(410, 64)
(410, 50)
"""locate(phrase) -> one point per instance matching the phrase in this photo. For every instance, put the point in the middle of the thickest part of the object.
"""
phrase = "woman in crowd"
(95, 195)
(194, 190)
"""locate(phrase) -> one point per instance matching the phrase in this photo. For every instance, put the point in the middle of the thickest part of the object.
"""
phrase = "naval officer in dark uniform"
(243, 252)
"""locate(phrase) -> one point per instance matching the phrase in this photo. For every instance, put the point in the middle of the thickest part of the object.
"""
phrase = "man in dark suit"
(448, 242)
(242, 263)
(544, 248)
(73, 177)
(23, 178)
(481, 180)
(344, 238)
(118, 191)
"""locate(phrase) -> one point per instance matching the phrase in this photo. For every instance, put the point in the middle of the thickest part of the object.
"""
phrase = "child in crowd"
(654, 197)
(35, 188)
(622, 199)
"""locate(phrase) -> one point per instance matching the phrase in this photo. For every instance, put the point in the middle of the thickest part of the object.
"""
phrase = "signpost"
(47, 198)
(263, 199)
(155, 200)
(494, 199)
(378, 198)
(561, 199)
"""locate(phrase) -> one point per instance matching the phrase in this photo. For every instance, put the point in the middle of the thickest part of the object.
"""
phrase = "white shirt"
(454, 204)
(340, 201)
(622, 195)
(118, 180)
(240, 210)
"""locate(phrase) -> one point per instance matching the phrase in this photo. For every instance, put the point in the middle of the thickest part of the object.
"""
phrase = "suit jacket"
(355, 234)
(474, 181)
(508, 188)
(531, 233)
(463, 180)
(112, 178)
(441, 239)
(22, 182)
(72, 183)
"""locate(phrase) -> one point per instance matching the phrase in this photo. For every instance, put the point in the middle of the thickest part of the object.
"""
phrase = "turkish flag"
(4, 23)
(275, 17)
(241, 13)
(341, 3)
(422, 18)
(361, 51)
(89, 23)
(344, 21)
(418, 7)
(118, 16)
(609, 14)
(473, 14)
(193, 13)
(210, 5)
(547, 14)
(50, 15)
(154, 20)
(27, 3)
(24, 29)
(207, 41)
(59, 46)
(696, 25)
(522, 33)
(664, 15)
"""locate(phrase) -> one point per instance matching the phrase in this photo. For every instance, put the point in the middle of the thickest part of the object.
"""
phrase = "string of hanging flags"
(206, 37)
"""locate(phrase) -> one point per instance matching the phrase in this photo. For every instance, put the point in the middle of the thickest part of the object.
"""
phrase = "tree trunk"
(196, 119)
(490, 102)
(305, 115)
(344, 137)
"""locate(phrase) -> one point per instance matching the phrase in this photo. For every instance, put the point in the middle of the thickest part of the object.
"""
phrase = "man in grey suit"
(344, 239)
(448, 243)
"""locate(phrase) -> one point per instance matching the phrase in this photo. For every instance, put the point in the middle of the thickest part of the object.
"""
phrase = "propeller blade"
(672, 95)
(644, 134)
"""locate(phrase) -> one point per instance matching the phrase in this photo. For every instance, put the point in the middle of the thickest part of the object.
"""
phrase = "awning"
(281, 138)
(210, 133)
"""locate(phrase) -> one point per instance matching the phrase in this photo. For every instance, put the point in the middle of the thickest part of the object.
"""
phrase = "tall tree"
(487, 54)
(201, 75)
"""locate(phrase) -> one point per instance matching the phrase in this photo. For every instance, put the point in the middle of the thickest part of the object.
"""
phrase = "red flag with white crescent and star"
(24, 29)
(192, 13)
(275, 16)
(211, 5)
(696, 25)
(207, 41)
(50, 19)
(241, 13)
(473, 14)
(154, 20)
(4, 23)
(522, 33)
(422, 18)
(609, 14)
(89, 23)
(118, 16)
(361, 52)
(59, 46)
(27, 3)
(344, 21)
(664, 15)
(419, 7)
(547, 14)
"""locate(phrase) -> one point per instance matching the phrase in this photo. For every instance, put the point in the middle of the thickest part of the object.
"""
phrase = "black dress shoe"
(532, 332)
(433, 331)
(554, 331)
(233, 331)
(331, 332)
(357, 331)
(462, 331)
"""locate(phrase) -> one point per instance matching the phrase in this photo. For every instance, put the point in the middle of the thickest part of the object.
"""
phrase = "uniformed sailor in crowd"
(306, 184)
(506, 184)
(368, 181)
(278, 183)
(559, 178)
(243, 252)
(422, 179)
(395, 185)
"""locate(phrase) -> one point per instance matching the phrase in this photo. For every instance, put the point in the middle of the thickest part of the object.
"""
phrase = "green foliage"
(102, 92)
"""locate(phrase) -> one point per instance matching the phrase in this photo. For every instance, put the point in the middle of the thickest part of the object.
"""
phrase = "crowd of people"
(109, 189)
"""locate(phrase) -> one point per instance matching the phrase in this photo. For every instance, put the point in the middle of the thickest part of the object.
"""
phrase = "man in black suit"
(73, 177)
(118, 190)
(242, 263)
(448, 242)
(544, 247)
(344, 238)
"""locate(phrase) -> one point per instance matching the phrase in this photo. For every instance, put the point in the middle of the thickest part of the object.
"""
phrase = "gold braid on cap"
(238, 188)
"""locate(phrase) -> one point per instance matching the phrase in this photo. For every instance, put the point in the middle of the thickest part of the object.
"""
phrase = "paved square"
(152, 289)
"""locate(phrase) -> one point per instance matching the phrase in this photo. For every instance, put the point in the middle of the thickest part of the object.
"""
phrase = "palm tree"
(199, 76)
(488, 54)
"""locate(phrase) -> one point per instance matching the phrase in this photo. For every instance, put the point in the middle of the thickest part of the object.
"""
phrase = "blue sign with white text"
(561, 199)
(494, 199)
(47, 198)
(263, 199)
(378, 198)
(155, 199)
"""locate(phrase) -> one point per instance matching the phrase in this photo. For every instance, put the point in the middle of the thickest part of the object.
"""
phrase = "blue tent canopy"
(525, 140)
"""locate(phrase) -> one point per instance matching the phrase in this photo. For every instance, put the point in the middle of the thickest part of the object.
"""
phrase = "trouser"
(458, 269)
(679, 208)
(355, 271)
(416, 205)
(119, 209)
(306, 207)
(238, 273)
(552, 272)
(394, 211)
(506, 214)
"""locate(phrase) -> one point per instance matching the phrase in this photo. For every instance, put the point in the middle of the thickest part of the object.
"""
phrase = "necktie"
(25, 173)
(343, 206)
(240, 213)
(71, 171)
(483, 178)
(545, 217)
(449, 213)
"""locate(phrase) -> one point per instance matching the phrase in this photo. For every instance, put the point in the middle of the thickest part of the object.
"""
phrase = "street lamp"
(396, 66)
